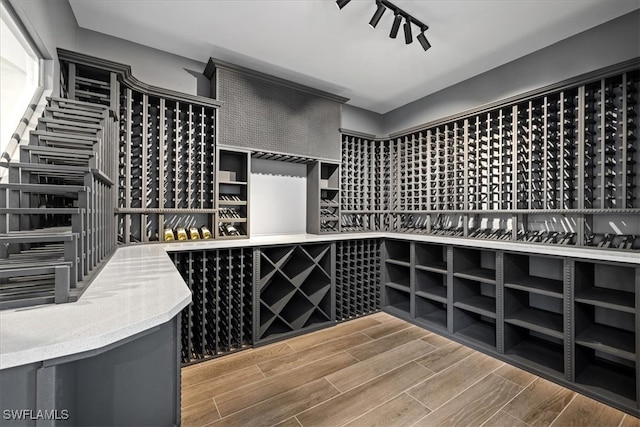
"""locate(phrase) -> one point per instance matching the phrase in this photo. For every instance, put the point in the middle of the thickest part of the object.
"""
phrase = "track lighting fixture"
(399, 15)
(377, 15)
(423, 41)
(396, 26)
(408, 38)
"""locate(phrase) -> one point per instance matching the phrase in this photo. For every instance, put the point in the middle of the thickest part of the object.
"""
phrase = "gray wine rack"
(294, 293)
(554, 168)
(357, 278)
(219, 319)
(166, 156)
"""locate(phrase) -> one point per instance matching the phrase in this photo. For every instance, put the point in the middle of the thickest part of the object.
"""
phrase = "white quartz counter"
(140, 288)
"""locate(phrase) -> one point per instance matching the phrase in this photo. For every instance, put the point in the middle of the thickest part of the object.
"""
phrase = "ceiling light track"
(400, 15)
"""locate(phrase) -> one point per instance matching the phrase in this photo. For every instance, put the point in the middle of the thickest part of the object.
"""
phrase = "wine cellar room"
(320, 213)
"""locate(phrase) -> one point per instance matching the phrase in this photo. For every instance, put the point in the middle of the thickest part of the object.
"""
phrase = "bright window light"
(19, 76)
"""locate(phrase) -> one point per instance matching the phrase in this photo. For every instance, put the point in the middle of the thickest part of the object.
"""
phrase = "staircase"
(56, 210)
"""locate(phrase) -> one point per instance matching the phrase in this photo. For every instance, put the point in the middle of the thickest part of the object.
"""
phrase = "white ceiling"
(312, 42)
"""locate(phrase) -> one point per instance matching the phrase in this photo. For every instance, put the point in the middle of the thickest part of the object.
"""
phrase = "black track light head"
(396, 26)
(423, 41)
(408, 38)
(342, 3)
(377, 15)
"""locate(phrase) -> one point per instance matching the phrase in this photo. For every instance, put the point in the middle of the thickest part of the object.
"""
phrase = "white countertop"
(140, 288)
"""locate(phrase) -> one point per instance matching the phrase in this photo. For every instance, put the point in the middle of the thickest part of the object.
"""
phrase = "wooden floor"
(378, 370)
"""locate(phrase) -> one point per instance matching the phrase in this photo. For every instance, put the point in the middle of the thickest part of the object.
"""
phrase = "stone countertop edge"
(140, 288)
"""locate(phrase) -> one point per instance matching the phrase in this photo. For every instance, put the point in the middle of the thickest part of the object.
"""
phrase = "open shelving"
(474, 295)
(232, 205)
(606, 328)
(431, 285)
(323, 197)
(397, 276)
(294, 291)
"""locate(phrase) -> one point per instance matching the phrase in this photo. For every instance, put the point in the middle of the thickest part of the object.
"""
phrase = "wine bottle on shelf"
(206, 233)
(194, 234)
(168, 235)
(181, 233)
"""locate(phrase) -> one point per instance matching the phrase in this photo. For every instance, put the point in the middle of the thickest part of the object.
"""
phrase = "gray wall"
(361, 120)
(52, 24)
(150, 66)
(610, 43)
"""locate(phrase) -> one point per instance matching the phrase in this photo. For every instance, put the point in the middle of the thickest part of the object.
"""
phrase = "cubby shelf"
(232, 202)
(562, 318)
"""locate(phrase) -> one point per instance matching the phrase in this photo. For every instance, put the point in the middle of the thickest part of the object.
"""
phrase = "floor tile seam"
(224, 357)
(458, 394)
(376, 339)
(386, 335)
(387, 372)
(319, 403)
(286, 372)
(513, 382)
(574, 397)
(273, 397)
(370, 410)
(342, 393)
(219, 394)
(450, 366)
(512, 399)
(324, 357)
(407, 393)
(326, 342)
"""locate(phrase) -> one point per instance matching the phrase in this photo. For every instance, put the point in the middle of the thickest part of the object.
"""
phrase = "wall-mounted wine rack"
(295, 290)
(555, 168)
(357, 278)
(167, 150)
(219, 318)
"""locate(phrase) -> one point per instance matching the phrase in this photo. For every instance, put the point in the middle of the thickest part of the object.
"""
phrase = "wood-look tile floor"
(379, 371)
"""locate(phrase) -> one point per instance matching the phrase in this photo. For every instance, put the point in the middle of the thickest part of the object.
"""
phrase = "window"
(19, 75)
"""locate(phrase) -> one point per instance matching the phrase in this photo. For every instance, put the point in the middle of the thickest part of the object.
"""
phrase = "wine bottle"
(194, 234)
(168, 235)
(181, 233)
(206, 233)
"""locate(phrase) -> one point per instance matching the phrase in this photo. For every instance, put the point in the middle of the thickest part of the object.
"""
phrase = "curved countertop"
(139, 288)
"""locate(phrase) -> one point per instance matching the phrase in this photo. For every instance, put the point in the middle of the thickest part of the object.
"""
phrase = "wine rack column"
(219, 319)
(233, 173)
(357, 278)
(293, 292)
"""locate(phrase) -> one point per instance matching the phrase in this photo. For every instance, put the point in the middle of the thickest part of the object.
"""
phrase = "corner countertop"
(139, 288)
